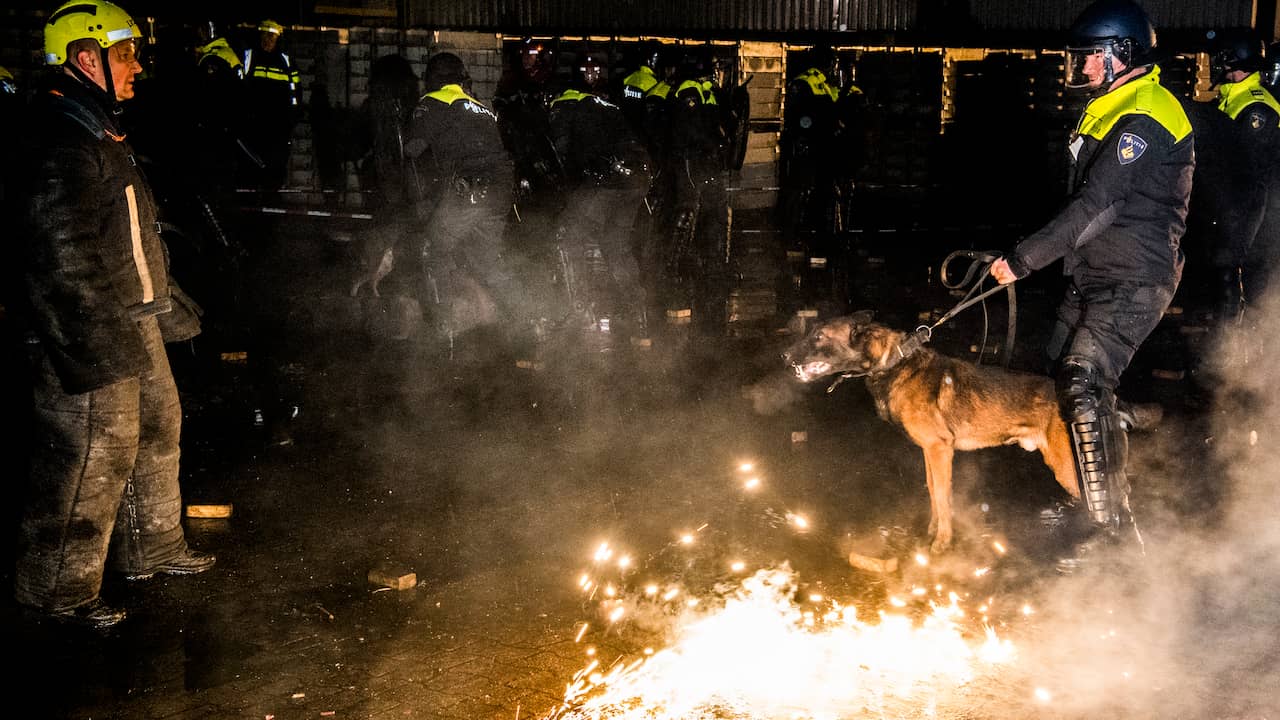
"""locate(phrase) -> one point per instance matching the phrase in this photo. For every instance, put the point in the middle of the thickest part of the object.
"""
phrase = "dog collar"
(914, 341)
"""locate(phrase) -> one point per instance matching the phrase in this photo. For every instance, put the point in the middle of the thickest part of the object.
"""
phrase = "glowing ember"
(754, 653)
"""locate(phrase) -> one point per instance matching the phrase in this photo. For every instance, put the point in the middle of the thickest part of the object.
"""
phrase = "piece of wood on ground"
(209, 511)
(396, 578)
(880, 566)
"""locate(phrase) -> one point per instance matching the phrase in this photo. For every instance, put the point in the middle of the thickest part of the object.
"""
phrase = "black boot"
(1098, 546)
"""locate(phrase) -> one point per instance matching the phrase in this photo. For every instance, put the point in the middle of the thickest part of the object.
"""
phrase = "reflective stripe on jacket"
(264, 66)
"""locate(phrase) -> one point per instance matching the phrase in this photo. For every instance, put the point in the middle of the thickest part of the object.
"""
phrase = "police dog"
(942, 403)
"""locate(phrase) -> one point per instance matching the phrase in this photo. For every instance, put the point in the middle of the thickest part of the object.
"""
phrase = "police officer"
(806, 143)
(97, 305)
(465, 180)
(606, 173)
(274, 99)
(218, 97)
(699, 214)
(637, 84)
(521, 103)
(1236, 64)
(656, 106)
(215, 55)
(1118, 237)
(851, 129)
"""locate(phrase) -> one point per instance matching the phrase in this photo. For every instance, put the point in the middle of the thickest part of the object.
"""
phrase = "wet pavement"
(493, 477)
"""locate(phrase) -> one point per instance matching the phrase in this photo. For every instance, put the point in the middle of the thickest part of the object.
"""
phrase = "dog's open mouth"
(812, 371)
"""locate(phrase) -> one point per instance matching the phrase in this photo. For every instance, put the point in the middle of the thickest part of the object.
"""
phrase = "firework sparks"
(759, 648)
(757, 653)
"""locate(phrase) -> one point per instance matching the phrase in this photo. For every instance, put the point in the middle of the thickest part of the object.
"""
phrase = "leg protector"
(1098, 442)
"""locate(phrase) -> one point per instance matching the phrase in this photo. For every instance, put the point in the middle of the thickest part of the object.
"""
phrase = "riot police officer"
(1236, 64)
(521, 103)
(697, 234)
(806, 144)
(637, 84)
(218, 98)
(1118, 237)
(464, 178)
(606, 173)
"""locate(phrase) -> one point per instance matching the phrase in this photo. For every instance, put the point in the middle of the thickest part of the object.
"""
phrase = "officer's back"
(454, 137)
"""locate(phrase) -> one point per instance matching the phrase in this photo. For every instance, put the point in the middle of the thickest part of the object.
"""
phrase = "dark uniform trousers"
(605, 215)
(464, 244)
(1105, 325)
(105, 478)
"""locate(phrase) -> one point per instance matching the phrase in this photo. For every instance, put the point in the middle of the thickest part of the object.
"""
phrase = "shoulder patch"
(1255, 120)
(1130, 148)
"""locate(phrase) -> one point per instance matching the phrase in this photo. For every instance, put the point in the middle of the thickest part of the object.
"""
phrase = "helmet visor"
(127, 51)
(1086, 67)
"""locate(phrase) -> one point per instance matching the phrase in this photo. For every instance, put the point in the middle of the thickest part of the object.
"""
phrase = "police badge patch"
(1130, 148)
(1255, 121)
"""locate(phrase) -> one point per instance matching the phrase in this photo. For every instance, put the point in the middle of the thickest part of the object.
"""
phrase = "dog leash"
(975, 275)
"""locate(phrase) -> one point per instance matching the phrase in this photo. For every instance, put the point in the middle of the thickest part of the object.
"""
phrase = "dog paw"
(940, 545)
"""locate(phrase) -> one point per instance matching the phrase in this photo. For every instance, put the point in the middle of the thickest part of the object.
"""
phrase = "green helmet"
(86, 20)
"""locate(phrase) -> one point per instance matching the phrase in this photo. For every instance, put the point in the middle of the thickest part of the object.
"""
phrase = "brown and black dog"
(942, 403)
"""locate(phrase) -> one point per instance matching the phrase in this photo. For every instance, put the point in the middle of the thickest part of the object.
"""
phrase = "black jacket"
(90, 253)
(1222, 193)
(1127, 213)
(452, 137)
(595, 142)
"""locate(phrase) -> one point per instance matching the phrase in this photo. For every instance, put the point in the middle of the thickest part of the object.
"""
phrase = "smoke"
(1190, 629)
(774, 393)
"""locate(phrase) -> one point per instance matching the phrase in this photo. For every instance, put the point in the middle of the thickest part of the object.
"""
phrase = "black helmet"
(1233, 51)
(651, 53)
(537, 59)
(822, 58)
(445, 69)
(695, 62)
(590, 69)
(1111, 29)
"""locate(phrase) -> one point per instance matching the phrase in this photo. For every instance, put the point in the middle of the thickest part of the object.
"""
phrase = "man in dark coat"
(97, 305)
